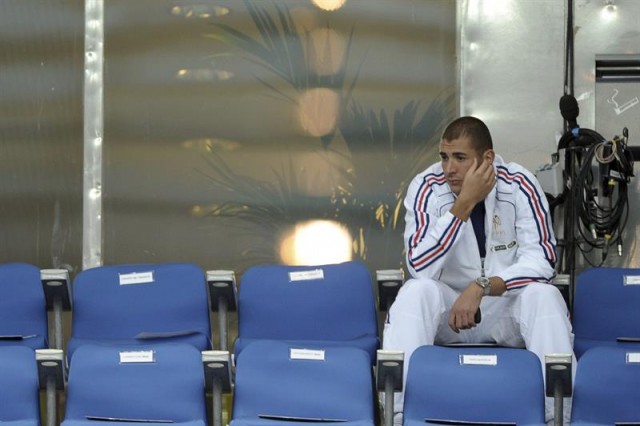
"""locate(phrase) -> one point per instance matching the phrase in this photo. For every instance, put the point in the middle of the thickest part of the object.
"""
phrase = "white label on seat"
(136, 278)
(631, 280)
(478, 359)
(309, 354)
(316, 274)
(130, 357)
(633, 357)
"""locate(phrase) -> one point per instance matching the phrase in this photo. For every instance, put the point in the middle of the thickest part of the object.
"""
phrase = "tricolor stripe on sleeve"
(519, 282)
(540, 214)
(420, 261)
(420, 205)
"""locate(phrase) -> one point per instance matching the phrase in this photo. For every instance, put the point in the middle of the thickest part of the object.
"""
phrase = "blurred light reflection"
(318, 111)
(207, 144)
(203, 74)
(201, 11)
(329, 4)
(316, 242)
(609, 12)
(329, 50)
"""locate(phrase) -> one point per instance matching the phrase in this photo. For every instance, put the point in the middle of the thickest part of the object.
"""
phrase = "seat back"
(607, 387)
(463, 384)
(143, 304)
(156, 383)
(275, 380)
(19, 391)
(606, 308)
(320, 306)
(23, 309)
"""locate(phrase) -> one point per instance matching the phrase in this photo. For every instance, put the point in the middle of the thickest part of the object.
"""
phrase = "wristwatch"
(485, 284)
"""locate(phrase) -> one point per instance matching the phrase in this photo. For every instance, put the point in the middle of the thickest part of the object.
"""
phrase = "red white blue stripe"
(422, 260)
(519, 282)
(540, 214)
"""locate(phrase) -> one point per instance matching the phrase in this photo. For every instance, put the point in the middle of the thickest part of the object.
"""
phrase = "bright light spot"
(220, 11)
(609, 12)
(223, 75)
(329, 4)
(318, 111)
(202, 11)
(207, 144)
(316, 242)
(203, 74)
(94, 193)
(328, 49)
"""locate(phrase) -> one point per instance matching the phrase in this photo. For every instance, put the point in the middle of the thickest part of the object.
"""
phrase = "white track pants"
(534, 317)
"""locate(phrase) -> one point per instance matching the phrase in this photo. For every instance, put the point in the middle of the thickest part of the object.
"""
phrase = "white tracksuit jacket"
(520, 241)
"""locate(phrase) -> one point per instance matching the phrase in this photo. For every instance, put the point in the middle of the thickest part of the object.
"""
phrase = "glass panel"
(239, 133)
(41, 62)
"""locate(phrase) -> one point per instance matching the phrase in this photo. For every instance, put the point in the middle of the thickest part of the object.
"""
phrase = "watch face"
(483, 281)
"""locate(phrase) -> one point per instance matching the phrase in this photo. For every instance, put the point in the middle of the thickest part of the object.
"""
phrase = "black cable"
(599, 226)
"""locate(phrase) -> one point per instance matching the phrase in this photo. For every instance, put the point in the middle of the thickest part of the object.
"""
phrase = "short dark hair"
(472, 127)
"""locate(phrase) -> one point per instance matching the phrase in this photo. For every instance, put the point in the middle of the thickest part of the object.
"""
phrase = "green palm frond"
(281, 48)
(264, 210)
(286, 51)
(386, 154)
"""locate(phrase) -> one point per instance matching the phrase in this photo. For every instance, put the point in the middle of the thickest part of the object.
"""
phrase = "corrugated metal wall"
(511, 58)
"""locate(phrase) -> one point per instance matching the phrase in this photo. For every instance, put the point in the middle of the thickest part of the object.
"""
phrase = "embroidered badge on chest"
(498, 232)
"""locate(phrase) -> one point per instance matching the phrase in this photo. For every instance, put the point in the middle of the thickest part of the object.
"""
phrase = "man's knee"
(544, 297)
(418, 292)
(419, 299)
(413, 319)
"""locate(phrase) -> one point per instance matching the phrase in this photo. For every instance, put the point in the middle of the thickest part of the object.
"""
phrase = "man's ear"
(489, 155)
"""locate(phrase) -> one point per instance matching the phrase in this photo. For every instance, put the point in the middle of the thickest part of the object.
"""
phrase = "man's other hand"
(463, 311)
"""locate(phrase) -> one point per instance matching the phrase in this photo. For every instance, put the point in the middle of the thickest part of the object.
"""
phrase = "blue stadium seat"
(607, 387)
(155, 385)
(23, 311)
(474, 384)
(279, 384)
(140, 304)
(311, 306)
(19, 391)
(605, 309)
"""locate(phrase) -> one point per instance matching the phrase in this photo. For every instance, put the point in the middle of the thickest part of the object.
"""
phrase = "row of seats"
(142, 306)
(306, 307)
(139, 304)
(280, 384)
(172, 302)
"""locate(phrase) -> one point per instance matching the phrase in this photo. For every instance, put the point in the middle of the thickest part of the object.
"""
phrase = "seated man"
(478, 235)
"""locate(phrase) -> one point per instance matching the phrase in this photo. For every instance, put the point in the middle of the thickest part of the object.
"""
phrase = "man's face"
(457, 157)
